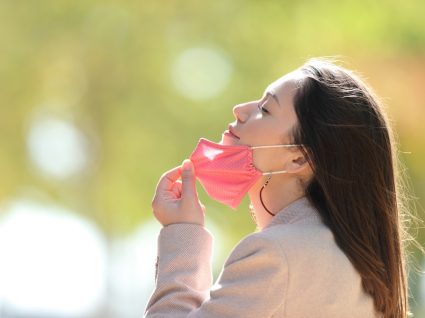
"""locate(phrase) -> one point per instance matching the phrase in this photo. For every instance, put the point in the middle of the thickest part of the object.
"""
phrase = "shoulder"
(299, 229)
(303, 242)
(310, 250)
(281, 238)
(296, 237)
(310, 238)
(259, 245)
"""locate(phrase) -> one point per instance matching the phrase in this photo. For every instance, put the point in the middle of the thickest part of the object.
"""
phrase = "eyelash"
(262, 109)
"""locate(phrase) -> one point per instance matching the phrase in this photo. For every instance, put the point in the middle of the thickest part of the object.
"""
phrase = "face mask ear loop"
(261, 192)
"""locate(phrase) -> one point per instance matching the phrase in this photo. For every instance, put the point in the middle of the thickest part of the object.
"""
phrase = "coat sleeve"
(252, 283)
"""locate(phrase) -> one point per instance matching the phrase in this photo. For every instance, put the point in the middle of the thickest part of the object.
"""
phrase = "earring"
(261, 195)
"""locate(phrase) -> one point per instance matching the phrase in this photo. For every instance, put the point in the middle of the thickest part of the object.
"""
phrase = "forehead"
(285, 87)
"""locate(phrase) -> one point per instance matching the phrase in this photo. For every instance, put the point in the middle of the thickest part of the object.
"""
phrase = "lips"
(232, 132)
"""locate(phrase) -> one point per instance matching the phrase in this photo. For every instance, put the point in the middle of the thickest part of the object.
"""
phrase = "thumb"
(188, 180)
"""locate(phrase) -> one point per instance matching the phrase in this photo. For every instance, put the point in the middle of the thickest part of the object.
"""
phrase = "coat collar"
(295, 211)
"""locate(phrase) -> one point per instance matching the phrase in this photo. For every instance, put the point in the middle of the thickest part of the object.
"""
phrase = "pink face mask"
(227, 172)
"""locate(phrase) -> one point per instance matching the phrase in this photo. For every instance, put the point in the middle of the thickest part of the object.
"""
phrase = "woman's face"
(268, 121)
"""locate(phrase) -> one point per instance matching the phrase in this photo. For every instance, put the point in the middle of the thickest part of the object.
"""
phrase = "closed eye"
(262, 109)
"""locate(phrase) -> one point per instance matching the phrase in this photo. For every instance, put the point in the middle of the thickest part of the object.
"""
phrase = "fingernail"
(187, 164)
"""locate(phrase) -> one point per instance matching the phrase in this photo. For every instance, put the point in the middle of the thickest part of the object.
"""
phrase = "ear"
(297, 164)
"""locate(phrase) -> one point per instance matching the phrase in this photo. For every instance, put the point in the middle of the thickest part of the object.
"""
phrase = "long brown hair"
(356, 185)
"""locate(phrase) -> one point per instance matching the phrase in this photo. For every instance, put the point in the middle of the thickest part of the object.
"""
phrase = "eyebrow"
(274, 97)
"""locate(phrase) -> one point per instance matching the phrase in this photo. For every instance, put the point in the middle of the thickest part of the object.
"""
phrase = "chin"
(228, 141)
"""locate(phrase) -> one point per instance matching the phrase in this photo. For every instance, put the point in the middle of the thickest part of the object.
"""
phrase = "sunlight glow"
(52, 262)
(132, 270)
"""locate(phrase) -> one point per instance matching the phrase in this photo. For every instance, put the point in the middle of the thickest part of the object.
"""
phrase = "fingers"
(184, 189)
(177, 189)
(168, 178)
(188, 180)
(176, 201)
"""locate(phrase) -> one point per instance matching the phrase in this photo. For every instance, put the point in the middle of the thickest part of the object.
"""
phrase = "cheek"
(261, 161)
(264, 132)
(267, 160)
(286, 128)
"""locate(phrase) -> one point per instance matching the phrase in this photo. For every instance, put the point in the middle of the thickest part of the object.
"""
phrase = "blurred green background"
(99, 98)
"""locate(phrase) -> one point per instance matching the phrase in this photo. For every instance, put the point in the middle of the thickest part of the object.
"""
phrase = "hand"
(177, 201)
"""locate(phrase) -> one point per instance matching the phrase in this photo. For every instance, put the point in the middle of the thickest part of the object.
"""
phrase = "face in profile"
(267, 121)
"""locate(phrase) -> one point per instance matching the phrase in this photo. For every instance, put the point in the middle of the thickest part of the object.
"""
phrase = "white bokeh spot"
(52, 262)
(56, 147)
(201, 73)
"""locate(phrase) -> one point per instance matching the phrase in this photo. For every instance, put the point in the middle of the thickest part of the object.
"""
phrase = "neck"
(278, 194)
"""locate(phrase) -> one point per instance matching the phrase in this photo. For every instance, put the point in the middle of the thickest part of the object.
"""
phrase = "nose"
(241, 112)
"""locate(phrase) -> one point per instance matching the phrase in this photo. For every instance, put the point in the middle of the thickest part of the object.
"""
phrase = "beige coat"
(292, 268)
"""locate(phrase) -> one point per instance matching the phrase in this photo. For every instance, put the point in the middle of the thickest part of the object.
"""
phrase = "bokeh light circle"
(201, 73)
(52, 261)
(56, 147)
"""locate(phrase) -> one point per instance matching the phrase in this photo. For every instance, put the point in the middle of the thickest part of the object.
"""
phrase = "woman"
(326, 203)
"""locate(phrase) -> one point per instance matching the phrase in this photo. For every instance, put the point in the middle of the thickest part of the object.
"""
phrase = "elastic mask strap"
(275, 146)
(270, 173)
